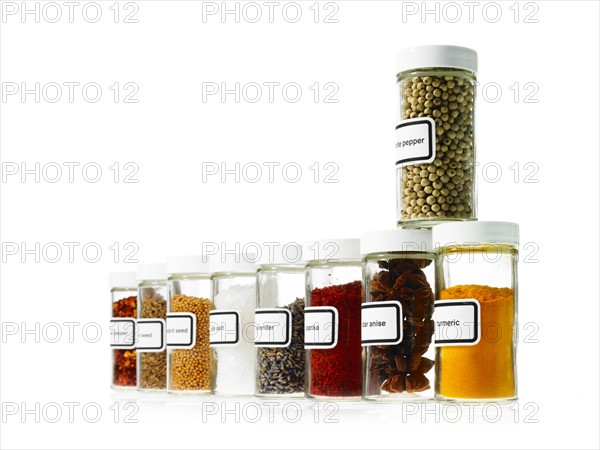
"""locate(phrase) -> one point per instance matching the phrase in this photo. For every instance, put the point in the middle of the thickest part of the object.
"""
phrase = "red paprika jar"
(332, 319)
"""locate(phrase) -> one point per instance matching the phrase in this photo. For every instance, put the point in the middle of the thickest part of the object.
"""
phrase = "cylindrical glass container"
(152, 314)
(123, 293)
(279, 330)
(435, 136)
(476, 311)
(232, 322)
(190, 359)
(332, 319)
(397, 310)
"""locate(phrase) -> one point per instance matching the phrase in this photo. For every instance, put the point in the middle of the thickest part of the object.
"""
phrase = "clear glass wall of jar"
(190, 359)
(435, 137)
(123, 296)
(151, 315)
(232, 322)
(476, 311)
(332, 319)
(279, 331)
(397, 310)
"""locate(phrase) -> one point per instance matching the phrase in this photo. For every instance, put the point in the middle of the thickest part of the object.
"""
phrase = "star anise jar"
(397, 310)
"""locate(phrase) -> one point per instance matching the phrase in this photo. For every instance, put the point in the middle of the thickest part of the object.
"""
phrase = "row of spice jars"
(460, 346)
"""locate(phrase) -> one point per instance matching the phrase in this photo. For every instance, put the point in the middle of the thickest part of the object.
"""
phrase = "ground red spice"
(336, 372)
(124, 361)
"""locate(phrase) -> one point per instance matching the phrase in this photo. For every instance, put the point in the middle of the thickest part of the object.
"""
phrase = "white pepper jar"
(397, 311)
(232, 322)
(435, 135)
(123, 299)
(190, 359)
(151, 328)
(279, 325)
(476, 311)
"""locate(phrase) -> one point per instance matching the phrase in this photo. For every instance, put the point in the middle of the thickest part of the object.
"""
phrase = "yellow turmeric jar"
(475, 314)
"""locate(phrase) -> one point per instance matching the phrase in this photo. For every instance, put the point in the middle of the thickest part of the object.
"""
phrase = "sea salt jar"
(435, 135)
(232, 322)
(397, 310)
(279, 323)
(123, 299)
(332, 318)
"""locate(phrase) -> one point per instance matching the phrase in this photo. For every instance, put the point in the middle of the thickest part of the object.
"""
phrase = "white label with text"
(273, 327)
(150, 335)
(224, 328)
(381, 323)
(122, 333)
(457, 322)
(181, 330)
(415, 141)
(320, 327)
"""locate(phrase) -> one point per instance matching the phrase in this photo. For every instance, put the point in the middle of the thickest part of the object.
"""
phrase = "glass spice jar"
(123, 293)
(397, 310)
(435, 136)
(190, 359)
(279, 324)
(476, 311)
(151, 338)
(232, 322)
(332, 319)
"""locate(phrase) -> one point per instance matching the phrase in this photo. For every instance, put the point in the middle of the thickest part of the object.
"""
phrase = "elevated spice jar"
(190, 359)
(232, 322)
(435, 136)
(123, 299)
(476, 311)
(279, 324)
(332, 319)
(150, 336)
(397, 310)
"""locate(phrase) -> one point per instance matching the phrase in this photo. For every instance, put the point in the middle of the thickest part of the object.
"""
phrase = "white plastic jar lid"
(436, 56)
(234, 262)
(187, 264)
(122, 280)
(331, 249)
(398, 240)
(469, 233)
(151, 272)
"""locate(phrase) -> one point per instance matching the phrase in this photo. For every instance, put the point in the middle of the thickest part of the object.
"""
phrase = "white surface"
(436, 56)
(485, 232)
(171, 132)
(395, 240)
(122, 279)
(150, 272)
(187, 264)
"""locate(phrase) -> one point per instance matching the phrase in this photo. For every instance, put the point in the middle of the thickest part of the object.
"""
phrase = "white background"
(170, 132)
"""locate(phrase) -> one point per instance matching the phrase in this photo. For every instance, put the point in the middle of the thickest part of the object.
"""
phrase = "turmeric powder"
(485, 370)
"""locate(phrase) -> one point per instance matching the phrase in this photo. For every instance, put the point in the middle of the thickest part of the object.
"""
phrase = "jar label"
(273, 327)
(415, 141)
(150, 335)
(224, 328)
(181, 330)
(381, 323)
(320, 327)
(122, 333)
(457, 322)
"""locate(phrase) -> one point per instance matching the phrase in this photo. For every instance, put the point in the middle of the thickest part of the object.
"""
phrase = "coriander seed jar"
(397, 310)
(123, 298)
(279, 325)
(476, 311)
(150, 336)
(435, 136)
(232, 322)
(190, 360)
(332, 319)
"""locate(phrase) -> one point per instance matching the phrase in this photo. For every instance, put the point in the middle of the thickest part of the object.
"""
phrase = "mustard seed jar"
(232, 322)
(435, 136)
(476, 311)
(190, 360)
(150, 336)
(397, 310)
(332, 319)
(279, 324)
(123, 299)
